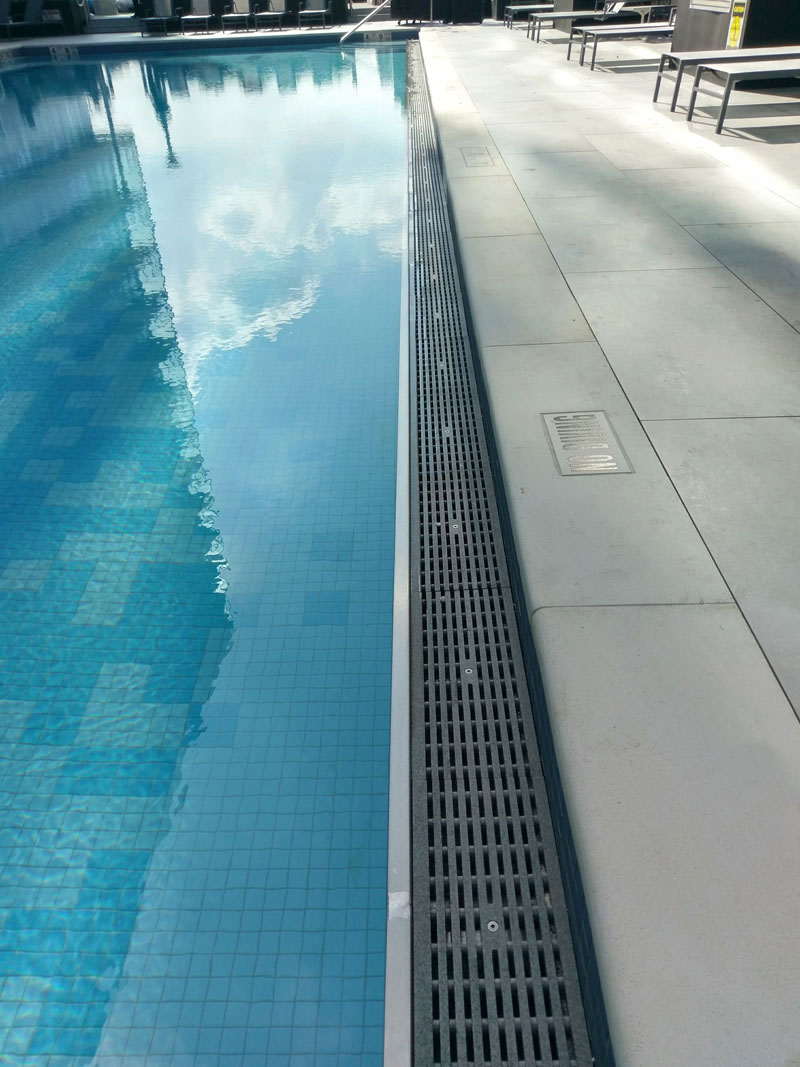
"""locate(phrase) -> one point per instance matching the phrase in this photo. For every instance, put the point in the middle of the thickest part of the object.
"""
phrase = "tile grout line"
(717, 418)
(646, 604)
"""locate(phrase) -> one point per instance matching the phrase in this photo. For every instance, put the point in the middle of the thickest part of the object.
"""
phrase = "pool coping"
(397, 1003)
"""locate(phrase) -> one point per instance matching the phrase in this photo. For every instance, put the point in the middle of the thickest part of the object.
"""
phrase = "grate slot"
(494, 972)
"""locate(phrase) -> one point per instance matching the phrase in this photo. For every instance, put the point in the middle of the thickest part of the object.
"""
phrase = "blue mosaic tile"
(196, 555)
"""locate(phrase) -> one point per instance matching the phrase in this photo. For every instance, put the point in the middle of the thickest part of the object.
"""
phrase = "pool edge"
(397, 1002)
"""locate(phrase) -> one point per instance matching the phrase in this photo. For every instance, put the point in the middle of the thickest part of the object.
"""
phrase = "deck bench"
(609, 12)
(733, 73)
(673, 64)
(616, 33)
(512, 10)
(535, 20)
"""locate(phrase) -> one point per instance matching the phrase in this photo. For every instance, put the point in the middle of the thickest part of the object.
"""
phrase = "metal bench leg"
(584, 39)
(571, 39)
(658, 79)
(725, 98)
(594, 51)
(695, 87)
(678, 76)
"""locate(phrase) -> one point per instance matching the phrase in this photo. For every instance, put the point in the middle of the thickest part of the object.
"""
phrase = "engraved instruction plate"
(477, 156)
(584, 442)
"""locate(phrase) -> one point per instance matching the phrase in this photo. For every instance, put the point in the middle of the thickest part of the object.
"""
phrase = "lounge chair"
(270, 15)
(313, 10)
(198, 21)
(161, 23)
(32, 21)
(5, 17)
(609, 8)
(235, 19)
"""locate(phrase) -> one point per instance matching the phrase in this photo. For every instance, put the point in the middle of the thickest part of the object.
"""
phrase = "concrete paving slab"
(513, 85)
(649, 149)
(586, 100)
(751, 116)
(739, 478)
(765, 255)
(520, 110)
(785, 156)
(692, 343)
(709, 195)
(536, 137)
(680, 758)
(624, 203)
(489, 207)
(461, 125)
(607, 120)
(519, 295)
(592, 539)
(565, 174)
(613, 234)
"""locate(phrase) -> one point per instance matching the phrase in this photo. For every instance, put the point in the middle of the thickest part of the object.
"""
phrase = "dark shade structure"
(765, 23)
(442, 10)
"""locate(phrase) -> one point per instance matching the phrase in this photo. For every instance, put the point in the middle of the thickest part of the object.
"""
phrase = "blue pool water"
(198, 390)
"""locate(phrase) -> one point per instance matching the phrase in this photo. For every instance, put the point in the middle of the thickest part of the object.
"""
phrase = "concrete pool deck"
(619, 260)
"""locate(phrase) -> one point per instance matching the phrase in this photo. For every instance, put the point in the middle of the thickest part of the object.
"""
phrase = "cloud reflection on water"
(243, 255)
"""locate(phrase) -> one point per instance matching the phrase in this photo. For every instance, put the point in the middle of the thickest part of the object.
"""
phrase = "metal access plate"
(584, 442)
(477, 156)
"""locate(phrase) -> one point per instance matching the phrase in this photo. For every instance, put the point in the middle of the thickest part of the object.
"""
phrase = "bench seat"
(673, 64)
(733, 73)
(616, 33)
(523, 9)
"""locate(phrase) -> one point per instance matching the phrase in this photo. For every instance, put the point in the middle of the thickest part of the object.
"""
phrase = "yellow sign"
(738, 12)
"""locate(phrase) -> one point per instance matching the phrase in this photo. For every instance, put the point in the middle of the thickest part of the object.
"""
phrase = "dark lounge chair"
(234, 18)
(165, 24)
(313, 11)
(270, 15)
(197, 20)
(33, 21)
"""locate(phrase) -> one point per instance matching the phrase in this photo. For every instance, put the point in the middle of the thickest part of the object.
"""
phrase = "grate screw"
(493, 926)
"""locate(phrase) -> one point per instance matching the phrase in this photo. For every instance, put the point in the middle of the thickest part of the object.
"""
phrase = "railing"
(366, 18)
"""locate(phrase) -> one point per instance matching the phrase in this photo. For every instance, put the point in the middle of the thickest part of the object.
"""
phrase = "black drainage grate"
(494, 971)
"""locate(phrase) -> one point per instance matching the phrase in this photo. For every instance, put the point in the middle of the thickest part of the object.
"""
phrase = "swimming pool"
(201, 304)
